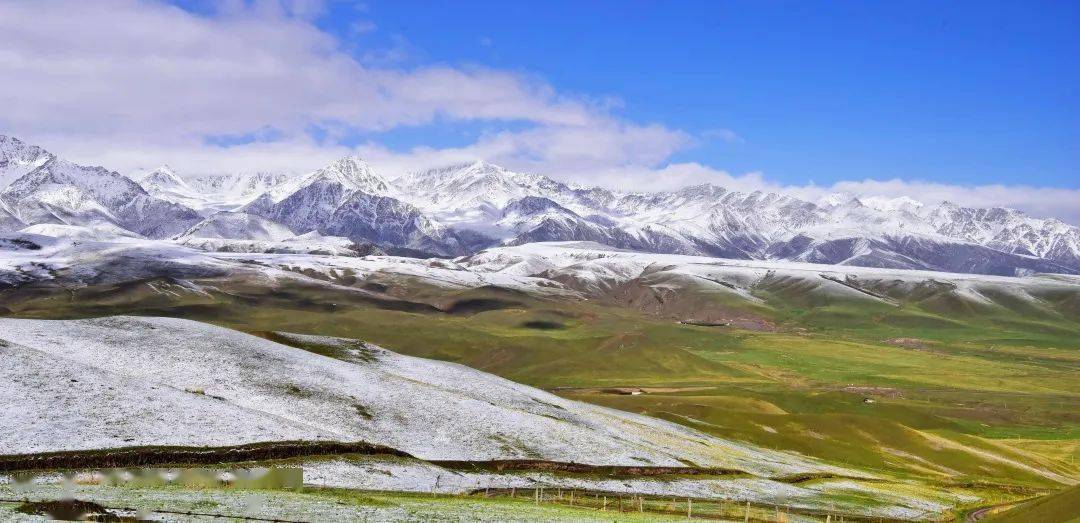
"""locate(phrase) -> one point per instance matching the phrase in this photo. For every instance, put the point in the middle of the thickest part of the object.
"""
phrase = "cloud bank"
(132, 84)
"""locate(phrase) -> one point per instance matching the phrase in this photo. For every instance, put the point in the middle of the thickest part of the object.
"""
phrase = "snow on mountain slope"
(237, 226)
(231, 191)
(744, 293)
(81, 260)
(351, 173)
(463, 208)
(62, 192)
(497, 203)
(165, 184)
(599, 271)
(125, 381)
(163, 180)
(102, 232)
(710, 220)
(348, 199)
(310, 243)
(539, 257)
(18, 158)
(8, 220)
(80, 256)
(1011, 231)
(477, 186)
(387, 221)
(58, 191)
(705, 219)
(209, 193)
(239, 186)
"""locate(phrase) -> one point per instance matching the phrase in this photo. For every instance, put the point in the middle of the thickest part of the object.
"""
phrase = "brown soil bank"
(532, 465)
(149, 456)
(183, 456)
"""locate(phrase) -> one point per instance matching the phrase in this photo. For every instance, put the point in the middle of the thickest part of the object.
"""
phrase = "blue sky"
(961, 92)
(973, 102)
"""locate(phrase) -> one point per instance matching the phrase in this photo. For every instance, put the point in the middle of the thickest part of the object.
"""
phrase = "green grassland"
(978, 394)
(318, 504)
(1060, 507)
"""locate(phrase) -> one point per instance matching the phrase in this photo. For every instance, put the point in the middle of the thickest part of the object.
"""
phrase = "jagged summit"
(18, 158)
(350, 173)
(56, 191)
(163, 179)
(354, 173)
(475, 185)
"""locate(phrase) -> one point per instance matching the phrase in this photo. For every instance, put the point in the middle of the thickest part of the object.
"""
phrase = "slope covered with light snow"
(18, 158)
(125, 381)
(238, 226)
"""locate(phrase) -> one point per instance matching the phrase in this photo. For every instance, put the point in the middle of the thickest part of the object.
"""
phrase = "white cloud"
(125, 82)
(1043, 202)
(157, 73)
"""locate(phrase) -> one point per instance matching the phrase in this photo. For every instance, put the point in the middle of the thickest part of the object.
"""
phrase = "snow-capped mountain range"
(460, 209)
(44, 189)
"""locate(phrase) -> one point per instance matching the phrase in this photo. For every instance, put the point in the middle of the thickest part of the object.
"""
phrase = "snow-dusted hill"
(462, 209)
(688, 286)
(125, 381)
(237, 226)
(165, 184)
(745, 293)
(239, 186)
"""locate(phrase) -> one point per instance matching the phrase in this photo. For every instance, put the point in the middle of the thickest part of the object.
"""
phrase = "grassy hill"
(917, 381)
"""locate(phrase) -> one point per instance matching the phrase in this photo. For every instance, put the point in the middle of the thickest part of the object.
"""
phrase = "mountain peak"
(898, 204)
(837, 199)
(352, 161)
(353, 173)
(350, 173)
(18, 158)
(165, 169)
(163, 180)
